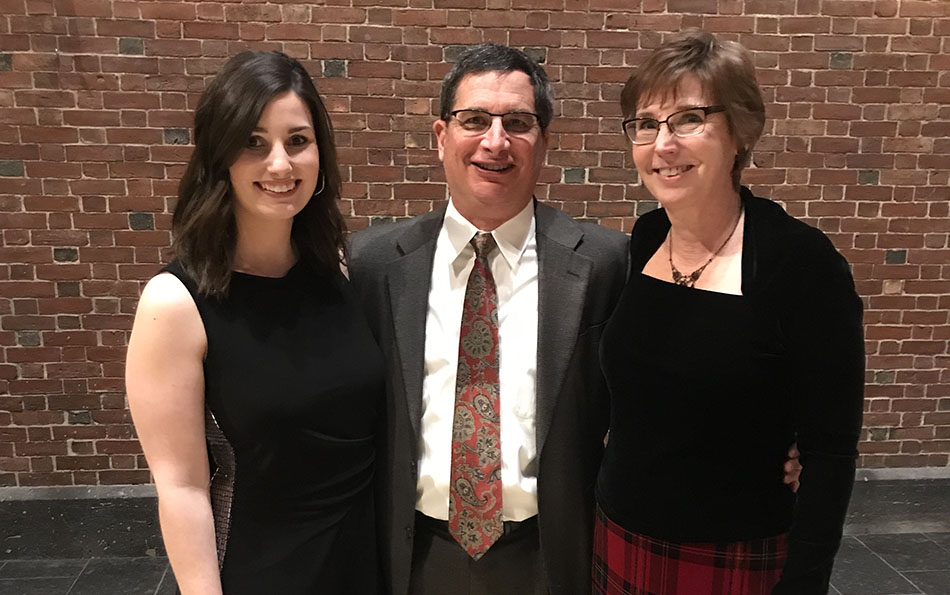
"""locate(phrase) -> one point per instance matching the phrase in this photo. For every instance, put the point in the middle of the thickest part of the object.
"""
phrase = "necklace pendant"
(686, 280)
(690, 280)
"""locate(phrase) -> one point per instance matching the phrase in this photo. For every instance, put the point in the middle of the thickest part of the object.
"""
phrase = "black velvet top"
(708, 390)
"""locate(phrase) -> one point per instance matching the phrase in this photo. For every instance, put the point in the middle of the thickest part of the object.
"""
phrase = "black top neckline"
(683, 288)
(266, 279)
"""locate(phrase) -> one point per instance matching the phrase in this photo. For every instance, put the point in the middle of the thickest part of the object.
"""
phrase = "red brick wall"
(95, 109)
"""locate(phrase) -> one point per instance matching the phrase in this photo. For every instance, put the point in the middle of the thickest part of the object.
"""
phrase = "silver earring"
(323, 184)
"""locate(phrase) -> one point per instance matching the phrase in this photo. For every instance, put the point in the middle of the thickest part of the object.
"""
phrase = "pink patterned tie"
(475, 490)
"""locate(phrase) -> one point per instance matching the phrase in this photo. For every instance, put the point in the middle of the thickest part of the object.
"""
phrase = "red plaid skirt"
(626, 563)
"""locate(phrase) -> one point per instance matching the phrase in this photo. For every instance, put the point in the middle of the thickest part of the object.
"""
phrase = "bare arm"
(165, 384)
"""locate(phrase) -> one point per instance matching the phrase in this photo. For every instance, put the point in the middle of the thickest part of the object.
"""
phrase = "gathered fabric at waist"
(305, 476)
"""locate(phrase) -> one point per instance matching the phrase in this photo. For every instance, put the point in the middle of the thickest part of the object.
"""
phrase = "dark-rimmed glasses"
(476, 121)
(687, 122)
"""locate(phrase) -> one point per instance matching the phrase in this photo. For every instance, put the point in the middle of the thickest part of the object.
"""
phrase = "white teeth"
(278, 187)
(673, 171)
(493, 167)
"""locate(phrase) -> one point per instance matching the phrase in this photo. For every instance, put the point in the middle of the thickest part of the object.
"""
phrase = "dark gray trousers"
(441, 567)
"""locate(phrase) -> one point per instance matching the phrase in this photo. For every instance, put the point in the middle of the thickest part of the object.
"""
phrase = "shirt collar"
(512, 236)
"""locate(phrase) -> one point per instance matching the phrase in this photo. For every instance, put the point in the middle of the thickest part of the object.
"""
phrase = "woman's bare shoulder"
(167, 307)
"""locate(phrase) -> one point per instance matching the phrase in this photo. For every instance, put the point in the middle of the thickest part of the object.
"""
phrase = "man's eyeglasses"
(688, 122)
(475, 121)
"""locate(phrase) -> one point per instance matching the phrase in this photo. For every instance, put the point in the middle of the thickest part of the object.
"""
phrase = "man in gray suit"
(557, 282)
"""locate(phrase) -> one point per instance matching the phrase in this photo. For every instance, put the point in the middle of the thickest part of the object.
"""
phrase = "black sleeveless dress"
(293, 387)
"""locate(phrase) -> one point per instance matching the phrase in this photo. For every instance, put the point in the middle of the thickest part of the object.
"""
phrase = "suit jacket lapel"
(408, 282)
(563, 276)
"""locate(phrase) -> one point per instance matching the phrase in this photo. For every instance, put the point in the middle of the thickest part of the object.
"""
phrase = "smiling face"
(492, 175)
(677, 170)
(275, 175)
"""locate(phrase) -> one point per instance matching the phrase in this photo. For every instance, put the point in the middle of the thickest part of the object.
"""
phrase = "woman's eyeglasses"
(687, 122)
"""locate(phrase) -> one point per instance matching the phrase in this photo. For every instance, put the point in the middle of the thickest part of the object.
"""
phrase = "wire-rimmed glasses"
(475, 121)
(687, 122)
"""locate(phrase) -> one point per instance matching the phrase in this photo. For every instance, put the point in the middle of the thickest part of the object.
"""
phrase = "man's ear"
(440, 128)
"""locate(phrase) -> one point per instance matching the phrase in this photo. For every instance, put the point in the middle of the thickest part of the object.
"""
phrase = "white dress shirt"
(515, 269)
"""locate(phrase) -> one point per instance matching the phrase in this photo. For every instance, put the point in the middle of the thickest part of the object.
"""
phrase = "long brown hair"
(204, 228)
(725, 70)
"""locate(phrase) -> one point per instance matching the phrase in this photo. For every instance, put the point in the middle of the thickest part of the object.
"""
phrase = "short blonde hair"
(726, 72)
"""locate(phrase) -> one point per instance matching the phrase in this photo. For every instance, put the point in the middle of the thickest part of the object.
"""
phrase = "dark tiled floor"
(66, 529)
(897, 540)
(89, 576)
(897, 543)
(889, 565)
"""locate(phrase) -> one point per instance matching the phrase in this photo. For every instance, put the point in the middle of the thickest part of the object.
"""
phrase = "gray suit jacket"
(581, 271)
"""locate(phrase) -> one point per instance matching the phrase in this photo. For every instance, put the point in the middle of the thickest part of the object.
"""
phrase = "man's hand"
(792, 468)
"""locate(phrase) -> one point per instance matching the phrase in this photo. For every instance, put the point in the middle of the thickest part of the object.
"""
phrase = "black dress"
(708, 390)
(293, 382)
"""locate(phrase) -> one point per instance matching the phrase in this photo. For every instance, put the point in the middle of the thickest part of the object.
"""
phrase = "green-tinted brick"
(28, 339)
(539, 55)
(6, 62)
(841, 60)
(65, 254)
(133, 46)
(177, 136)
(885, 377)
(334, 68)
(80, 417)
(869, 177)
(11, 168)
(67, 289)
(645, 206)
(575, 175)
(451, 53)
(895, 257)
(140, 221)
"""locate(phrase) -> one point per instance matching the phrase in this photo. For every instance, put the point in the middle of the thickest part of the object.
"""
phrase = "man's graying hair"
(493, 57)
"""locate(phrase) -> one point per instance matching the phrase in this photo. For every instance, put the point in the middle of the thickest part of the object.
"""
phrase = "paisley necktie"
(475, 490)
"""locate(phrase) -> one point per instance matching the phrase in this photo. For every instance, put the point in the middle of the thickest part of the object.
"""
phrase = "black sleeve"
(823, 324)
(648, 233)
